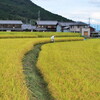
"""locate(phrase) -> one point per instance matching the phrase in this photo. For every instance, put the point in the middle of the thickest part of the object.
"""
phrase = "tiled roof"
(10, 22)
(47, 22)
(79, 23)
(66, 23)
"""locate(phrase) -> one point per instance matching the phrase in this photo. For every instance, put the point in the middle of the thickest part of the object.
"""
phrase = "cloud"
(95, 2)
(96, 15)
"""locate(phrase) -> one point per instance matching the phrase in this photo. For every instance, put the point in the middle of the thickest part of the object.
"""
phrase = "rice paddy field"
(12, 79)
(37, 34)
(72, 69)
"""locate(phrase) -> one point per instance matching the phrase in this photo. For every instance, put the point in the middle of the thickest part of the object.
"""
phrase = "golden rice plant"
(72, 69)
(37, 34)
(12, 80)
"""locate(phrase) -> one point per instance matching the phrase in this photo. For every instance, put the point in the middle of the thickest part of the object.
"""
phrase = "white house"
(80, 27)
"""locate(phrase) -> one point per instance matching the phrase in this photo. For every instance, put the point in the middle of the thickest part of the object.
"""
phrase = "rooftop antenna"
(39, 15)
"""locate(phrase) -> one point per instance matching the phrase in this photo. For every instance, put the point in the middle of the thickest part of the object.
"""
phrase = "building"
(55, 26)
(76, 27)
(63, 26)
(10, 25)
(80, 27)
(49, 26)
(28, 27)
(92, 29)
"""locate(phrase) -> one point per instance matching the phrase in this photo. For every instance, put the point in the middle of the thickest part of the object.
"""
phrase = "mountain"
(25, 10)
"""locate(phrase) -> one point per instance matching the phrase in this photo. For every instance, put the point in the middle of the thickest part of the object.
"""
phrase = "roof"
(65, 23)
(10, 22)
(79, 23)
(66, 27)
(28, 26)
(47, 22)
(94, 32)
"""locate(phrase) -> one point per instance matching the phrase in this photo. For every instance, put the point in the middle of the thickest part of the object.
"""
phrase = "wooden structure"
(10, 25)
(49, 26)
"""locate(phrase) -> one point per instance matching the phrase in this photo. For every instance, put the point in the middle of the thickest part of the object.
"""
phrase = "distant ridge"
(25, 10)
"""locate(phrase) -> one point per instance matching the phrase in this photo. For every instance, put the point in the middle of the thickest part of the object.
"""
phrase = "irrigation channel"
(35, 82)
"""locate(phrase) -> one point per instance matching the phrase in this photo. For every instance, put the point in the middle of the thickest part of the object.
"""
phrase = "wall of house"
(58, 28)
(86, 32)
(10, 25)
(66, 30)
(76, 28)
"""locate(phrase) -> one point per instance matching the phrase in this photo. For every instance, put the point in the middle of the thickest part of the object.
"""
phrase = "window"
(49, 26)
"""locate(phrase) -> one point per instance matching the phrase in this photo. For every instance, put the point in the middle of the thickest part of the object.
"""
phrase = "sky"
(77, 10)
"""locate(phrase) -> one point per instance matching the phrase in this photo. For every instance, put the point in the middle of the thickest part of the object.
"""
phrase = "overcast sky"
(78, 10)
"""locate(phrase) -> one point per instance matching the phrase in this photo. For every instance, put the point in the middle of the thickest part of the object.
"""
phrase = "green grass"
(72, 69)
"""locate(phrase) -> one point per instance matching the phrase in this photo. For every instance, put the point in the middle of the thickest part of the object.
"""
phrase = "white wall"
(76, 29)
(58, 29)
(86, 30)
(65, 30)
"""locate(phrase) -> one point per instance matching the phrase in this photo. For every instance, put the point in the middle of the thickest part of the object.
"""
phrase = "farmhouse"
(80, 27)
(63, 26)
(10, 25)
(55, 26)
(76, 27)
(47, 25)
(28, 27)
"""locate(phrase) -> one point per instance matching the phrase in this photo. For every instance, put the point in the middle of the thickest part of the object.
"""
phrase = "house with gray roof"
(10, 25)
(48, 25)
(28, 27)
(64, 26)
(76, 27)
(80, 27)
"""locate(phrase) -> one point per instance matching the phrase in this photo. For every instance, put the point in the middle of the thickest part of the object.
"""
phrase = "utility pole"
(89, 21)
(39, 15)
(97, 27)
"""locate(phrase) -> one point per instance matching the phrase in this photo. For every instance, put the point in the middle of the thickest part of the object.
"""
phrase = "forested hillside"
(25, 10)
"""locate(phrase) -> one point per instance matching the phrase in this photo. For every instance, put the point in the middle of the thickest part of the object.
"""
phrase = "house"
(10, 25)
(80, 27)
(49, 26)
(92, 29)
(94, 34)
(40, 29)
(76, 27)
(55, 26)
(28, 27)
(63, 26)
